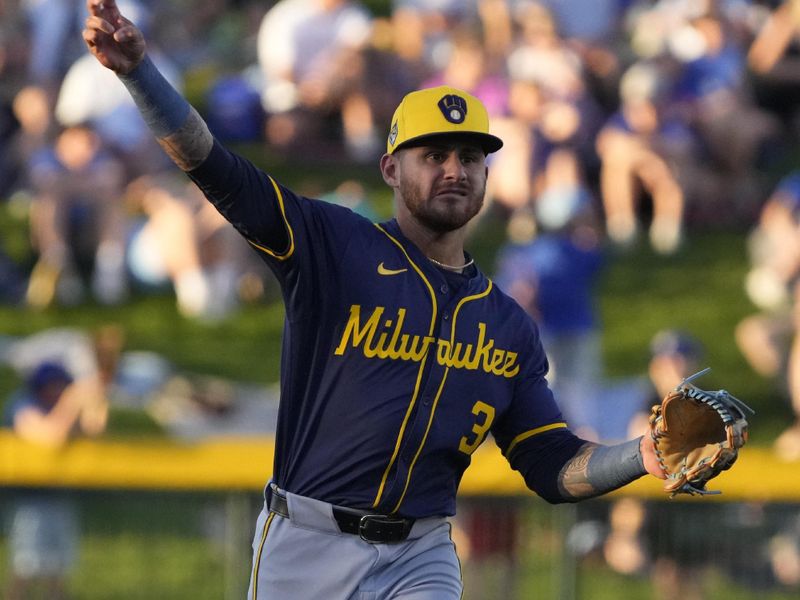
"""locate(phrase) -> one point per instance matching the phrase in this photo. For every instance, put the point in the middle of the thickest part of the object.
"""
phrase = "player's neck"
(443, 248)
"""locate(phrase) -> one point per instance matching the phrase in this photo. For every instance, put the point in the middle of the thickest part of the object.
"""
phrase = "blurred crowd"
(627, 123)
(655, 115)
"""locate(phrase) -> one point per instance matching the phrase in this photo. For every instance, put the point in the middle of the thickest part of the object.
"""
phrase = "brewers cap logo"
(454, 108)
(440, 110)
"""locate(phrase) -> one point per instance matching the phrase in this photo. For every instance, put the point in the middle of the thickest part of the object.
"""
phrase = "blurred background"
(645, 209)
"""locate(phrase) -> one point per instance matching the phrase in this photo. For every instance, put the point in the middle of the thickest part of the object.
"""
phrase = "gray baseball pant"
(306, 557)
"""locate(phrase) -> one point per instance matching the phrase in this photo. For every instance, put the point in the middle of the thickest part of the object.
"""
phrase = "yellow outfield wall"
(246, 463)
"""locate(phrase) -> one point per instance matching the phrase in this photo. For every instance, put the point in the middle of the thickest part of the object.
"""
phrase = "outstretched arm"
(597, 469)
(119, 45)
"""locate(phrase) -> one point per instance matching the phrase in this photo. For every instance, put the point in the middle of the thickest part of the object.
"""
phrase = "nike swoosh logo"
(384, 271)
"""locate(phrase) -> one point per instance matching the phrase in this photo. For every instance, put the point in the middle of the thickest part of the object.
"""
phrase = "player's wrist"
(611, 467)
(128, 69)
(649, 457)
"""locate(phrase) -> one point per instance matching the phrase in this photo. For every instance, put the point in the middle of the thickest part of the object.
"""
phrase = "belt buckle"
(371, 526)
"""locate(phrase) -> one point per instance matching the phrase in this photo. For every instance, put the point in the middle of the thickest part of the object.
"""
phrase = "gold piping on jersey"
(290, 251)
(461, 303)
(424, 439)
(524, 436)
(257, 561)
(419, 373)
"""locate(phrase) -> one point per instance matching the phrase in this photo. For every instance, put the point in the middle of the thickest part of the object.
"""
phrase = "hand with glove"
(696, 434)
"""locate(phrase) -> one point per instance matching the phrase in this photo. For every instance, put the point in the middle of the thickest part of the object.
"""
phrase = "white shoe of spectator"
(223, 296)
(109, 284)
(665, 235)
(621, 230)
(192, 292)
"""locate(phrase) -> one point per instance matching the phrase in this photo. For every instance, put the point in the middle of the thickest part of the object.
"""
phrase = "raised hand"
(114, 40)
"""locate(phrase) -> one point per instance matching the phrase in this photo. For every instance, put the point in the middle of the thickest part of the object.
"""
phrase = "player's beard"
(438, 214)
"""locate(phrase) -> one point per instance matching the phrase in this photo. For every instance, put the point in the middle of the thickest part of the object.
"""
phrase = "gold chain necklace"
(451, 267)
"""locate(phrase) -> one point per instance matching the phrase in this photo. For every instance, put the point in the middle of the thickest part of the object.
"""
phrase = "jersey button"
(446, 315)
(443, 289)
(426, 400)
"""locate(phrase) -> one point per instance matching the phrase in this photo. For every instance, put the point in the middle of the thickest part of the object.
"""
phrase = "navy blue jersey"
(392, 372)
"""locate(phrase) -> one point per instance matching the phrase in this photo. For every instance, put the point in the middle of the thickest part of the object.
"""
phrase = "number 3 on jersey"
(485, 414)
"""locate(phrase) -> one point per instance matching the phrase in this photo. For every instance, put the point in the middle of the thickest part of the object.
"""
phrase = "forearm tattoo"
(597, 469)
(573, 480)
(179, 129)
(191, 144)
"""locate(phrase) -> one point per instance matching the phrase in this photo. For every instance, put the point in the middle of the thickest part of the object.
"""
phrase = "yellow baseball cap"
(437, 111)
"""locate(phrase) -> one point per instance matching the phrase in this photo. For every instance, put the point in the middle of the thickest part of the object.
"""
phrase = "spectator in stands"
(636, 147)
(510, 185)
(552, 275)
(788, 443)
(713, 94)
(24, 107)
(44, 523)
(311, 53)
(769, 339)
(469, 68)
(53, 405)
(774, 59)
(184, 242)
(593, 29)
(784, 554)
(631, 546)
(422, 28)
(540, 54)
(90, 358)
(78, 191)
(539, 129)
(674, 355)
(32, 113)
(549, 98)
(43, 526)
(54, 27)
(88, 93)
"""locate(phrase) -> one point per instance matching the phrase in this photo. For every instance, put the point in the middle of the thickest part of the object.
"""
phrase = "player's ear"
(390, 169)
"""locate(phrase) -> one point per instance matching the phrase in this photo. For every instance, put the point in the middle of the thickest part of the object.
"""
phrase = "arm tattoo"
(597, 469)
(179, 129)
(573, 480)
(190, 144)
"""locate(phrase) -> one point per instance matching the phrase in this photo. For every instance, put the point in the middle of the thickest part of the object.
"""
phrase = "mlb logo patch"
(454, 108)
(393, 134)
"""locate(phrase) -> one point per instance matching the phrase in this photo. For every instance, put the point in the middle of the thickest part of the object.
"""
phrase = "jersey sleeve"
(532, 410)
(246, 196)
(532, 434)
(301, 240)
(540, 460)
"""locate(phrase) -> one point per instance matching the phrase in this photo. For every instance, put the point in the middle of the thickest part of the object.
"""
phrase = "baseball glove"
(697, 435)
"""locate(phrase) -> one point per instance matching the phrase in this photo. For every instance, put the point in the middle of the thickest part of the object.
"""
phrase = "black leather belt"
(370, 527)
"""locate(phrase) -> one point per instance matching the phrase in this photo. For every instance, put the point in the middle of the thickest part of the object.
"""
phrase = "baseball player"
(399, 355)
